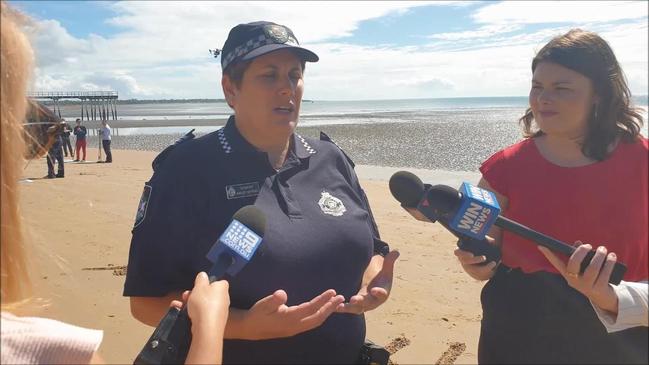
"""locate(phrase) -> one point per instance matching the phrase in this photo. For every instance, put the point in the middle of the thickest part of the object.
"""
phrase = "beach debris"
(455, 349)
(395, 345)
(117, 270)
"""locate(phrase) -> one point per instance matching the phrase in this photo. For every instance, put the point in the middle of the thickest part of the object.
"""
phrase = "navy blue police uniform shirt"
(320, 234)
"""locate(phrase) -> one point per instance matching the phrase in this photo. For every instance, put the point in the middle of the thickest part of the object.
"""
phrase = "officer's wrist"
(236, 326)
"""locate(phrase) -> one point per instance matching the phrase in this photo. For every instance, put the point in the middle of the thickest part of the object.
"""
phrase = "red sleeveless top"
(604, 203)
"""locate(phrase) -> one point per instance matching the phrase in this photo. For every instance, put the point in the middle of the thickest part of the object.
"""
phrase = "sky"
(368, 50)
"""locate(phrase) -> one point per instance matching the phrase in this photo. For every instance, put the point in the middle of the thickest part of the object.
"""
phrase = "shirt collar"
(231, 140)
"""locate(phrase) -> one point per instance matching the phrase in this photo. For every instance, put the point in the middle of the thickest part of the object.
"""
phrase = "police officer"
(321, 265)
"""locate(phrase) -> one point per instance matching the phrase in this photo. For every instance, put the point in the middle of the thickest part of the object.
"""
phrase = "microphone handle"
(476, 247)
(555, 245)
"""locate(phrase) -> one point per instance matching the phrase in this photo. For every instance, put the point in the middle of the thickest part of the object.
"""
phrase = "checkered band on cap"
(252, 44)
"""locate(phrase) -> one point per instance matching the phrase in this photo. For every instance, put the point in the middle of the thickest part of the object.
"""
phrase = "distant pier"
(96, 105)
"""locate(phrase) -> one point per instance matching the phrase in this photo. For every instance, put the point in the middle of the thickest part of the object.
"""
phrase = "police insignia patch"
(277, 33)
(331, 205)
(142, 206)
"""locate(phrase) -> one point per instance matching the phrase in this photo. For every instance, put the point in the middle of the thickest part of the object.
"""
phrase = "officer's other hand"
(270, 317)
(375, 292)
(474, 265)
(594, 282)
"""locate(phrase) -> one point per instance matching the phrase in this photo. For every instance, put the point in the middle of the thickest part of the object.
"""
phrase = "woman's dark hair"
(613, 116)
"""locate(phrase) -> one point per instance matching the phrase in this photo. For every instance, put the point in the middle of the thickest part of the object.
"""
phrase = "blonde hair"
(15, 67)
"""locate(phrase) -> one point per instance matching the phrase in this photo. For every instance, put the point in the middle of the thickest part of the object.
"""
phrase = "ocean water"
(439, 134)
(330, 112)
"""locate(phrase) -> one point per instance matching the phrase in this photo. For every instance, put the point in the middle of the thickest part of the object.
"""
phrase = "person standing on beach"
(80, 133)
(55, 153)
(104, 132)
(579, 175)
(65, 137)
(321, 244)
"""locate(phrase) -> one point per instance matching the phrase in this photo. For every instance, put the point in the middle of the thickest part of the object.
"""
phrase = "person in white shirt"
(618, 307)
(105, 140)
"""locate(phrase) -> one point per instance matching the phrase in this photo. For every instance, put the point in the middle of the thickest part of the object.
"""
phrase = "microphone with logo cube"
(470, 213)
(170, 341)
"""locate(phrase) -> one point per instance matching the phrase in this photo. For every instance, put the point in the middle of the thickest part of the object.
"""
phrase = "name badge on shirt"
(242, 190)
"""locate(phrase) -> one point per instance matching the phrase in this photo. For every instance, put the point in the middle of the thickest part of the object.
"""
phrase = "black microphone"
(470, 215)
(408, 189)
(448, 202)
(170, 341)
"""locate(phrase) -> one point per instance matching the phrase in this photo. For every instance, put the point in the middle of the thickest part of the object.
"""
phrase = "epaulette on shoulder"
(325, 137)
(165, 153)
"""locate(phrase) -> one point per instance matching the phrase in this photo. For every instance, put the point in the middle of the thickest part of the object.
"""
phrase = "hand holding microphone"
(207, 303)
(472, 211)
(594, 282)
(170, 341)
(208, 308)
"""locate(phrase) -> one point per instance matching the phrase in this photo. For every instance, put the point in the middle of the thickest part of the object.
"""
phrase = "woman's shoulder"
(44, 340)
(512, 153)
(640, 144)
(636, 149)
(325, 146)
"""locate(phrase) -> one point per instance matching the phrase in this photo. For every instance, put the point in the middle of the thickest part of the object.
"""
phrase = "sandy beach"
(80, 227)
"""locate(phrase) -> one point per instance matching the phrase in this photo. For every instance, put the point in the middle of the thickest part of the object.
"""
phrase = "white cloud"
(535, 12)
(52, 44)
(162, 48)
(482, 32)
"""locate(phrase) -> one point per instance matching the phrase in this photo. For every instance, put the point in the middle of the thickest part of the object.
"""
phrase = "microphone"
(170, 341)
(408, 189)
(470, 213)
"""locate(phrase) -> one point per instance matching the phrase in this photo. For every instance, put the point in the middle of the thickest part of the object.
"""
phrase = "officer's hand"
(270, 317)
(377, 289)
(594, 282)
(473, 265)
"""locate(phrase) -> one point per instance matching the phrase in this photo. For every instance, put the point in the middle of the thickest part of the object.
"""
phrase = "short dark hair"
(613, 116)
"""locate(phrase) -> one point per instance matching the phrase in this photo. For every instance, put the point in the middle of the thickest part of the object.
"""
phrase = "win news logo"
(477, 213)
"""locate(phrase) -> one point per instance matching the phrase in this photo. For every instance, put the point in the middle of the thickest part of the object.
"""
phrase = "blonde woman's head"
(15, 71)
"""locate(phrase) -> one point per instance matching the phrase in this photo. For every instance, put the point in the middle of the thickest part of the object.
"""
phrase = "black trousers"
(109, 155)
(538, 318)
(55, 154)
(67, 146)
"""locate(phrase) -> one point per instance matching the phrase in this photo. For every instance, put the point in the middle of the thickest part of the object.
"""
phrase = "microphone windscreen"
(253, 218)
(444, 199)
(407, 188)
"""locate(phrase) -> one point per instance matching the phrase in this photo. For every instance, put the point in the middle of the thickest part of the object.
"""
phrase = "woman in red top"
(580, 175)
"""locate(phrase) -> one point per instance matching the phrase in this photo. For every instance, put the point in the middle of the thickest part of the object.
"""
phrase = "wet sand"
(439, 146)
